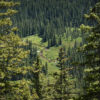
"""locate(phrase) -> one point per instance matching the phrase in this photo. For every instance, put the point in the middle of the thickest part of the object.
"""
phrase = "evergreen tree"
(45, 68)
(12, 56)
(92, 56)
(62, 91)
(49, 43)
(54, 43)
(36, 81)
(60, 41)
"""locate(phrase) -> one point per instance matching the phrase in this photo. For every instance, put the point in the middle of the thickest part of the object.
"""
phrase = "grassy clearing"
(34, 38)
(50, 55)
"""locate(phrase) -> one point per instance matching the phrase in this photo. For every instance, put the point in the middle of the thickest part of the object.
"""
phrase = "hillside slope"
(50, 55)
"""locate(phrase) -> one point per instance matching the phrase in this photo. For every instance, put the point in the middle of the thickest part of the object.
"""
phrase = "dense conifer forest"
(49, 49)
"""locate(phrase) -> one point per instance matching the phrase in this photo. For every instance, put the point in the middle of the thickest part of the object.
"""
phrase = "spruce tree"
(62, 90)
(91, 51)
(35, 80)
(60, 41)
(12, 84)
(45, 68)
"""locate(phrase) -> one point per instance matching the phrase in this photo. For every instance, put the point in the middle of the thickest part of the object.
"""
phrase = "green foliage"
(13, 86)
(22, 75)
(49, 17)
(35, 78)
(63, 83)
(92, 57)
